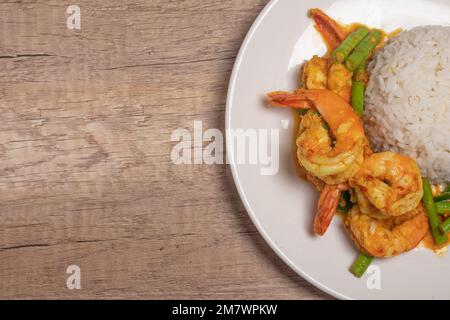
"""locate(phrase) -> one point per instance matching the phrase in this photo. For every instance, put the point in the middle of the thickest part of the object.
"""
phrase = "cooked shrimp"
(319, 74)
(369, 209)
(330, 30)
(327, 206)
(380, 239)
(340, 80)
(314, 73)
(388, 182)
(318, 183)
(334, 157)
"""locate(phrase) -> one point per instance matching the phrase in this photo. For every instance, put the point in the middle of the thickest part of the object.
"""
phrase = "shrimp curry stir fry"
(381, 193)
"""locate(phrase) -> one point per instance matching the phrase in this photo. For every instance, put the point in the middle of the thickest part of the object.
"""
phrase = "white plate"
(282, 205)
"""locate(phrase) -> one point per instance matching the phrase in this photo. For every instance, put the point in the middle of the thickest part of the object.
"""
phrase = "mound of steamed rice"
(407, 103)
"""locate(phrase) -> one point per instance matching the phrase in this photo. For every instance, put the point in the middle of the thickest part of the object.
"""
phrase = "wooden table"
(86, 176)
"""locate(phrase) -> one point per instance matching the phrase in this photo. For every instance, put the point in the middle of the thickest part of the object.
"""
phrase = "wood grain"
(85, 171)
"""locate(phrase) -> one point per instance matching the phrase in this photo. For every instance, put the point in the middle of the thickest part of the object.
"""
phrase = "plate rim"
(229, 154)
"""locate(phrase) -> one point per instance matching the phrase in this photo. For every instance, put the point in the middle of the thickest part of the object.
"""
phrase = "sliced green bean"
(344, 203)
(439, 237)
(345, 48)
(361, 264)
(358, 97)
(445, 226)
(360, 72)
(443, 207)
(363, 50)
(442, 197)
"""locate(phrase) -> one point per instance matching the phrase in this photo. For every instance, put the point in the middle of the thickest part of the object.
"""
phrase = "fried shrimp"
(331, 31)
(319, 73)
(327, 206)
(387, 185)
(340, 80)
(384, 239)
(330, 145)
(314, 73)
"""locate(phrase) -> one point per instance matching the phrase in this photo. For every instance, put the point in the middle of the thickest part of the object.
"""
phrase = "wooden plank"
(85, 174)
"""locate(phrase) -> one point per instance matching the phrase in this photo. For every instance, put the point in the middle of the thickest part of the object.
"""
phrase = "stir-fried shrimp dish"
(370, 168)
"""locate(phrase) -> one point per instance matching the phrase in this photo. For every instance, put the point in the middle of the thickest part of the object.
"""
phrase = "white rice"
(407, 103)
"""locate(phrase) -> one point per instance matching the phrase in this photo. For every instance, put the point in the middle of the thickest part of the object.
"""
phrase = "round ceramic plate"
(281, 205)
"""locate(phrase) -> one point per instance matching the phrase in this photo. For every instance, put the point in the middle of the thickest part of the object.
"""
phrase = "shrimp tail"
(326, 208)
(283, 99)
(328, 28)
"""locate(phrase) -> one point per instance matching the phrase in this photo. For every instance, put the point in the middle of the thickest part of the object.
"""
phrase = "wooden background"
(85, 171)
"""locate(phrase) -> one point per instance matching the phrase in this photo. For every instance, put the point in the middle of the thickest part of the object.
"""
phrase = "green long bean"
(443, 207)
(361, 264)
(358, 97)
(363, 50)
(445, 226)
(442, 197)
(345, 48)
(439, 237)
(360, 72)
(345, 203)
